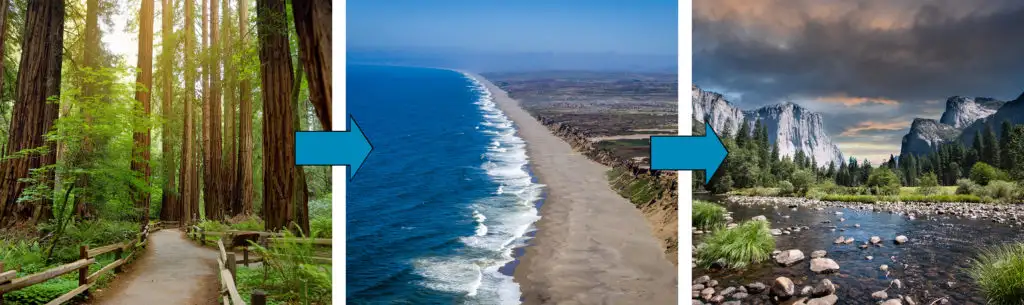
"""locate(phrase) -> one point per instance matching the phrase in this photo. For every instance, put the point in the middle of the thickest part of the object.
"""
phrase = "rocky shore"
(1011, 214)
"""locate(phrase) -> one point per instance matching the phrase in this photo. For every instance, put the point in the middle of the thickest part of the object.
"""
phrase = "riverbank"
(591, 246)
(1012, 214)
(914, 252)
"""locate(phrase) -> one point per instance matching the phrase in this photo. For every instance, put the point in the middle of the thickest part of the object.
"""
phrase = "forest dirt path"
(173, 271)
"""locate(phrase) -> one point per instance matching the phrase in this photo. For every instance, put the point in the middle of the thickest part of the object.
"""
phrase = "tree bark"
(301, 205)
(313, 25)
(144, 76)
(278, 115)
(169, 201)
(90, 53)
(189, 187)
(31, 114)
(243, 179)
(52, 110)
(230, 115)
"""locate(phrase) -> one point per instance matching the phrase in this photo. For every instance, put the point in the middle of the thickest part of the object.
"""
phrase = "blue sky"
(525, 26)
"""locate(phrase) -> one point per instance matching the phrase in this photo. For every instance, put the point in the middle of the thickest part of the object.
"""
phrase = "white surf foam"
(503, 219)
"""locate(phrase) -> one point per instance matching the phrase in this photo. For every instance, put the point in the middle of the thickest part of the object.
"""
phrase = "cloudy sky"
(869, 67)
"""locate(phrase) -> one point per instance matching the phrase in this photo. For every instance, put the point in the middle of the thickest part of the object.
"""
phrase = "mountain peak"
(963, 111)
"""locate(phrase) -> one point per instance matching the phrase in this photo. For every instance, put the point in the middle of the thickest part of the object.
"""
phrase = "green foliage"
(26, 255)
(251, 223)
(883, 181)
(999, 271)
(291, 273)
(1002, 190)
(212, 226)
(750, 242)
(320, 216)
(757, 191)
(94, 233)
(786, 188)
(816, 194)
(802, 180)
(42, 293)
(965, 186)
(707, 215)
(929, 184)
(982, 173)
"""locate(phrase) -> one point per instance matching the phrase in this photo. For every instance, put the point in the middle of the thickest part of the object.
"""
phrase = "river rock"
(825, 300)
(727, 291)
(712, 283)
(740, 295)
(875, 239)
(697, 302)
(865, 246)
(818, 254)
(880, 295)
(782, 288)
(707, 293)
(824, 288)
(732, 303)
(776, 232)
(892, 302)
(883, 267)
(698, 287)
(717, 299)
(839, 240)
(703, 279)
(759, 217)
(756, 287)
(896, 283)
(806, 291)
(901, 239)
(789, 257)
(824, 265)
(849, 240)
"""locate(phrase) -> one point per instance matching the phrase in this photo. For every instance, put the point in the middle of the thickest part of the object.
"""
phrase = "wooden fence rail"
(10, 282)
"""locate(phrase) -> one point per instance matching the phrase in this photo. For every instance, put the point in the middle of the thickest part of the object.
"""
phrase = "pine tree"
(991, 153)
(1004, 142)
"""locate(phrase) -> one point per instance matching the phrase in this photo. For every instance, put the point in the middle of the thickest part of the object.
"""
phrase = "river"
(933, 264)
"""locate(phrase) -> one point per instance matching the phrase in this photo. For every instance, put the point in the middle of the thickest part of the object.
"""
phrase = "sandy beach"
(592, 246)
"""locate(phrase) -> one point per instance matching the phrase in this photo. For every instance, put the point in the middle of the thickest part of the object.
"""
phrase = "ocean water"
(446, 196)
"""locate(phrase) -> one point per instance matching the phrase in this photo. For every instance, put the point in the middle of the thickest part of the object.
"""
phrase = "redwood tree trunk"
(243, 179)
(230, 141)
(169, 201)
(313, 25)
(52, 111)
(301, 205)
(31, 116)
(189, 176)
(278, 115)
(140, 152)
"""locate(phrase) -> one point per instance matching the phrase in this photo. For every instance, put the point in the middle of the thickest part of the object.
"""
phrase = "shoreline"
(591, 246)
(999, 213)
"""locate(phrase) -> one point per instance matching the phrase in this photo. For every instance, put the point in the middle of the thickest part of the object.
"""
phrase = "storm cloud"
(863, 64)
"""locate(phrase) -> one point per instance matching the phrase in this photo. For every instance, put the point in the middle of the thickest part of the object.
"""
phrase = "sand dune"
(592, 245)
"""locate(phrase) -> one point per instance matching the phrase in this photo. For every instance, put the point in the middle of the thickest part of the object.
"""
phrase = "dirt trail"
(173, 271)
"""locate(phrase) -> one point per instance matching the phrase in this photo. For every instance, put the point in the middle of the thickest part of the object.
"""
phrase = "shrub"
(212, 226)
(802, 180)
(999, 272)
(250, 223)
(750, 242)
(292, 274)
(964, 187)
(941, 198)
(982, 173)
(707, 215)
(816, 194)
(929, 184)
(785, 187)
(829, 187)
(883, 181)
(1001, 190)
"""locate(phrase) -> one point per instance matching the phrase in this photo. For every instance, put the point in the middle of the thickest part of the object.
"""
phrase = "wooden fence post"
(232, 265)
(1, 294)
(258, 297)
(202, 237)
(245, 257)
(117, 256)
(83, 273)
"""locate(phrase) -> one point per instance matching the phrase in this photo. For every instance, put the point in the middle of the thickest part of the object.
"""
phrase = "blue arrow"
(689, 152)
(333, 147)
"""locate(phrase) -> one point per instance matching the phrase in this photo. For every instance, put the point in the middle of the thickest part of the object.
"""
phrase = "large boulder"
(789, 257)
(901, 239)
(824, 288)
(818, 254)
(824, 265)
(782, 288)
